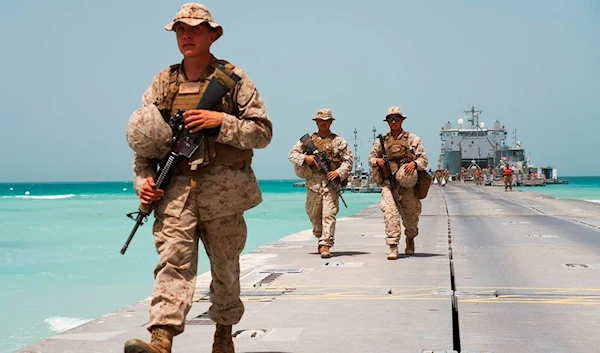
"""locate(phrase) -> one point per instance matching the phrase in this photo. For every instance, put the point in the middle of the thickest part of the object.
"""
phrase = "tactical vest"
(326, 145)
(185, 96)
(398, 151)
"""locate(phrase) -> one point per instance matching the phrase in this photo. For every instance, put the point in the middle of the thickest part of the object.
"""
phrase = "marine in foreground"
(208, 192)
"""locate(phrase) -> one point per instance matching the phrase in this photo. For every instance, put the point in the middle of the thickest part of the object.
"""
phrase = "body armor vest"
(398, 151)
(185, 96)
(326, 145)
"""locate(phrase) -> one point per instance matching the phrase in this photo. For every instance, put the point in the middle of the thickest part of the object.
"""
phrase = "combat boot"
(160, 342)
(410, 246)
(392, 252)
(324, 251)
(223, 342)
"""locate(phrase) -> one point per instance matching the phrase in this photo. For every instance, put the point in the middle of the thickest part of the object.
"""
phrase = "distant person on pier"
(478, 177)
(508, 178)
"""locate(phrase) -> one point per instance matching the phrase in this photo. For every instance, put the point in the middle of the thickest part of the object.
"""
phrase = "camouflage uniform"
(322, 201)
(410, 204)
(205, 206)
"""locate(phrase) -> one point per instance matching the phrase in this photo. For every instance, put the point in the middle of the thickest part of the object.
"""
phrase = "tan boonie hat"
(394, 111)
(324, 114)
(148, 134)
(193, 14)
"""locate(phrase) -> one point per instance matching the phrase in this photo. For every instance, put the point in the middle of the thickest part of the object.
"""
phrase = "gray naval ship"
(473, 145)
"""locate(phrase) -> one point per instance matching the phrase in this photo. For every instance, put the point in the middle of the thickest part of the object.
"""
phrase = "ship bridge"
(474, 143)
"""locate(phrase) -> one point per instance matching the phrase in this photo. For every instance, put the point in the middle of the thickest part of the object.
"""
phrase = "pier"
(493, 271)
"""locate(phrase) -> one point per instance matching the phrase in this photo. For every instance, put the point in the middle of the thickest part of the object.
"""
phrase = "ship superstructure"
(474, 144)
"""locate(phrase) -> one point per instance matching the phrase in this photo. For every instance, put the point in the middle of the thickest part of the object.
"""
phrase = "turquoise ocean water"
(60, 243)
(582, 188)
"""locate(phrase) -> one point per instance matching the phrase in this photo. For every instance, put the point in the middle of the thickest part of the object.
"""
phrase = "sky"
(74, 71)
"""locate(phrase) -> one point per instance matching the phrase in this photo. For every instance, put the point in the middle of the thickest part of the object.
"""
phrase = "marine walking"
(398, 174)
(323, 188)
(205, 200)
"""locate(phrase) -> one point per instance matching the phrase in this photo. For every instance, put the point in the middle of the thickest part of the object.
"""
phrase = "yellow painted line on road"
(389, 297)
(524, 300)
(467, 289)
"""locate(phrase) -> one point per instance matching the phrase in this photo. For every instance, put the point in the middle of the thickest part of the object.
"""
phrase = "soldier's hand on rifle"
(199, 119)
(309, 160)
(149, 192)
(380, 162)
(332, 175)
(409, 167)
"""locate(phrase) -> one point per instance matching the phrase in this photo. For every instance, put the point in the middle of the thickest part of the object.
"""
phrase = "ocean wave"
(61, 324)
(41, 197)
(596, 201)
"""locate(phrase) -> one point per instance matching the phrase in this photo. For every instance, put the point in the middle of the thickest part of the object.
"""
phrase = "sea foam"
(61, 324)
(42, 197)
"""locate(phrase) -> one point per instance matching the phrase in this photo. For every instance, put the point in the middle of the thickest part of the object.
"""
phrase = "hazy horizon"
(74, 72)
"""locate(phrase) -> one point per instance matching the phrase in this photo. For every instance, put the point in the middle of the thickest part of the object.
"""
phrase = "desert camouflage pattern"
(324, 114)
(176, 240)
(411, 209)
(207, 207)
(322, 204)
(404, 179)
(148, 134)
(194, 14)
(415, 146)
(237, 190)
(322, 209)
(394, 111)
(410, 204)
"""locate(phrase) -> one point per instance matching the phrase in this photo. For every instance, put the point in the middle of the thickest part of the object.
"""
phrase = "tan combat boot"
(324, 251)
(161, 342)
(392, 252)
(410, 246)
(223, 342)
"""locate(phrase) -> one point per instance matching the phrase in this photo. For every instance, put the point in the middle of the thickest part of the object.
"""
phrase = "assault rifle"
(391, 177)
(184, 143)
(323, 163)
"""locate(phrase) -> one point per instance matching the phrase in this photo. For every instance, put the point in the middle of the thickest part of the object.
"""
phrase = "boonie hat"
(193, 14)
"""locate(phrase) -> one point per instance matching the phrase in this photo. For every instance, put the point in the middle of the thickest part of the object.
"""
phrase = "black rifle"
(184, 143)
(323, 163)
(391, 177)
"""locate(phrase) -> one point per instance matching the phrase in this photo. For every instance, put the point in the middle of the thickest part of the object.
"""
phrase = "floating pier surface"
(493, 271)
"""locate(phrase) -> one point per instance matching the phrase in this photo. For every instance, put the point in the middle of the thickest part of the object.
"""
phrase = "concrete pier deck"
(493, 271)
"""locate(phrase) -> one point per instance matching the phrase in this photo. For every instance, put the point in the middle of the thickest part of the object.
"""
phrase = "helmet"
(406, 180)
(148, 134)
